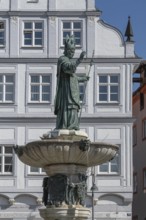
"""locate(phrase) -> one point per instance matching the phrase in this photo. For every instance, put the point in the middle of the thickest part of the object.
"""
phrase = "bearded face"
(70, 53)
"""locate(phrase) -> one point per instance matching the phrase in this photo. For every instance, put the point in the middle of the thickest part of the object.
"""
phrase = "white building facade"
(32, 33)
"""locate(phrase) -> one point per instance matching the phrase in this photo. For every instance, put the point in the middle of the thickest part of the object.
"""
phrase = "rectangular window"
(6, 159)
(36, 171)
(2, 33)
(108, 88)
(144, 178)
(40, 88)
(73, 28)
(141, 101)
(33, 33)
(7, 88)
(144, 129)
(134, 136)
(135, 183)
(111, 167)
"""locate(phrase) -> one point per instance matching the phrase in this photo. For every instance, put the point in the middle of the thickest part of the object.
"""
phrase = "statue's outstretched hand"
(82, 55)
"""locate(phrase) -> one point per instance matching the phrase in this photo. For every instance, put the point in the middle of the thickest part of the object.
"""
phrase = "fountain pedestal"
(70, 213)
(65, 155)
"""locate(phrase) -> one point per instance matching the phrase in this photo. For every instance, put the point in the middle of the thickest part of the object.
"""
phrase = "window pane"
(1, 34)
(9, 78)
(103, 167)
(8, 150)
(77, 34)
(103, 79)
(28, 38)
(1, 25)
(114, 89)
(45, 97)
(66, 25)
(77, 25)
(34, 97)
(34, 169)
(35, 89)
(102, 97)
(45, 89)
(35, 79)
(28, 35)
(114, 97)
(0, 150)
(46, 79)
(0, 168)
(1, 97)
(114, 79)
(28, 25)
(38, 42)
(8, 160)
(1, 78)
(65, 33)
(38, 25)
(38, 34)
(8, 168)
(9, 89)
(1, 89)
(103, 89)
(9, 97)
(28, 42)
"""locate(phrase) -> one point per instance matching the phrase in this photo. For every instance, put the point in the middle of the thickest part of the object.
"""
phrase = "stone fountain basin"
(49, 152)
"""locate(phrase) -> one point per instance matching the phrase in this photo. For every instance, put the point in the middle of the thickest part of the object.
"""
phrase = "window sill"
(108, 103)
(7, 103)
(108, 174)
(6, 175)
(39, 103)
(32, 47)
(36, 1)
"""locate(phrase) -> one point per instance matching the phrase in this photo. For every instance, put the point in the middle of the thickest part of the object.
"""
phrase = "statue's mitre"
(69, 42)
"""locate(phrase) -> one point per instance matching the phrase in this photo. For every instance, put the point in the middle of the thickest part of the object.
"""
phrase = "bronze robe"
(67, 100)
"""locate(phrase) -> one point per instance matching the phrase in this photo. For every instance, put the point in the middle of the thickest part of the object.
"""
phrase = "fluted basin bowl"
(48, 152)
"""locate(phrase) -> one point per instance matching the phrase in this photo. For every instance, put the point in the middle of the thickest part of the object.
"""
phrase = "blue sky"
(116, 12)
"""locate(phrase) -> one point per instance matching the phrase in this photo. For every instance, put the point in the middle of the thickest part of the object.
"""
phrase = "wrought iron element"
(58, 190)
(84, 145)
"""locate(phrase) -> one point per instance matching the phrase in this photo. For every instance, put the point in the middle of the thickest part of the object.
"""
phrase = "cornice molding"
(52, 120)
(51, 13)
(54, 60)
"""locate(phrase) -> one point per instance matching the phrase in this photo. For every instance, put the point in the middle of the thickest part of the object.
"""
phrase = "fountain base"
(69, 213)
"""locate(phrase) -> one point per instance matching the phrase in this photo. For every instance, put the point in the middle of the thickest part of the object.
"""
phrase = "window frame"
(40, 84)
(4, 84)
(32, 30)
(108, 84)
(109, 164)
(4, 31)
(72, 30)
(3, 156)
